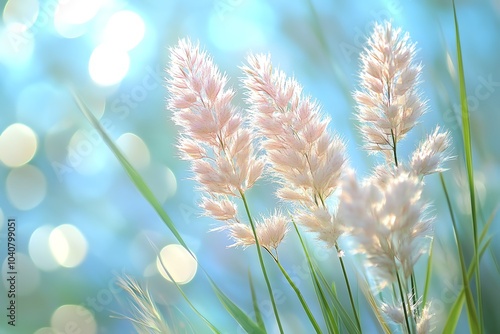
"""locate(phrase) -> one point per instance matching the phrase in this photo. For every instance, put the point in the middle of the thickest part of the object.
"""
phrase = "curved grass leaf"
(471, 310)
(256, 309)
(240, 316)
(337, 304)
(428, 273)
(328, 313)
(470, 169)
(301, 299)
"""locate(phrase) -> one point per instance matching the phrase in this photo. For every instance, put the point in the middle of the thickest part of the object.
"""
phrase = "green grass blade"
(243, 319)
(486, 227)
(138, 181)
(328, 313)
(303, 302)
(483, 234)
(471, 310)
(428, 274)
(179, 288)
(262, 265)
(130, 170)
(346, 319)
(468, 160)
(256, 309)
(348, 286)
(454, 315)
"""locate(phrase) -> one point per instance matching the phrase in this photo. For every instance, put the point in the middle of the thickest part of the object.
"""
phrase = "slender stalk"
(261, 261)
(471, 310)
(301, 298)
(403, 301)
(468, 159)
(358, 322)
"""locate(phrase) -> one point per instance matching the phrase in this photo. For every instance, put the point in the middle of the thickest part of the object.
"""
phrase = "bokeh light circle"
(178, 262)
(39, 249)
(73, 319)
(124, 30)
(20, 15)
(68, 245)
(134, 149)
(71, 16)
(18, 144)
(108, 65)
(26, 187)
(162, 181)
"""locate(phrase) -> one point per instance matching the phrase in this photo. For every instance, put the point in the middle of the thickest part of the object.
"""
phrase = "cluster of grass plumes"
(284, 130)
(283, 135)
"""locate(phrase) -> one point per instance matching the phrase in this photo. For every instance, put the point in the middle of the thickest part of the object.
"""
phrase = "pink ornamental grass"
(389, 101)
(218, 143)
(388, 221)
(303, 155)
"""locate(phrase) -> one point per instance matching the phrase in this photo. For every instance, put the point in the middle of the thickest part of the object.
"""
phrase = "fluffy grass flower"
(395, 313)
(302, 153)
(388, 221)
(388, 103)
(431, 154)
(217, 141)
(270, 232)
(214, 137)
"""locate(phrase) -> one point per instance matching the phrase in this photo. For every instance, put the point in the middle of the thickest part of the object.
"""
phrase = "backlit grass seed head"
(305, 157)
(424, 322)
(395, 313)
(270, 232)
(432, 153)
(389, 102)
(218, 143)
(214, 137)
(388, 221)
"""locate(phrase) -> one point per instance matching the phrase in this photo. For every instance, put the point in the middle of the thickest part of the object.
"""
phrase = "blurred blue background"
(80, 221)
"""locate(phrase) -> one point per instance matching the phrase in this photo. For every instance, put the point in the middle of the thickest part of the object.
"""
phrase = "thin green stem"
(471, 310)
(358, 322)
(468, 159)
(261, 261)
(301, 298)
(403, 302)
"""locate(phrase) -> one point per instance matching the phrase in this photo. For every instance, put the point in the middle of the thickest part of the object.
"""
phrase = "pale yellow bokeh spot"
(39, 249)
(178, 262)
(18, 145)
(20, 15)
(134, 149)
(26, 187)
(73, 319)
(68, 245)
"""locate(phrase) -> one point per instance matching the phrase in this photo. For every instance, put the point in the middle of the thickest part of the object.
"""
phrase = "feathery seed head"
(388, 221)
(432, 153)
(214, 135)
(305, 157)
(389, 102)
(271, 231)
